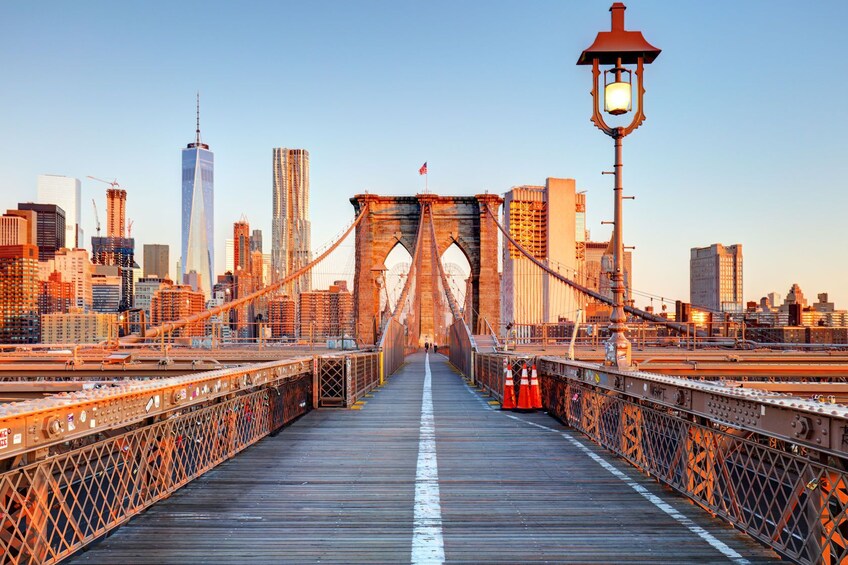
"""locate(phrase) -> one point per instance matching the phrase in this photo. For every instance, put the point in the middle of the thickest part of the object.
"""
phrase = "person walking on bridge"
(435, 349)
(426, 347)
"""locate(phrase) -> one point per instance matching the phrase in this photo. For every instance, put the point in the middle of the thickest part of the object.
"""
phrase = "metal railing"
(785, 496)
(490, 372)
(772, 465)
(344, 379)
(52, 507)
(461, 347)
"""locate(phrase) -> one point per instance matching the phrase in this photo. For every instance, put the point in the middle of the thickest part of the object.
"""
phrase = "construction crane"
(129, 227)
(96, 217)
(113, 184)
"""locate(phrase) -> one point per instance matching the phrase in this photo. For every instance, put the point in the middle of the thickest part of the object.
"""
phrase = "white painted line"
(427, 543)
(716, 543)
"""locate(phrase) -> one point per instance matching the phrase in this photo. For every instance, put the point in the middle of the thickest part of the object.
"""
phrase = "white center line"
(716, 543)
(427, 543)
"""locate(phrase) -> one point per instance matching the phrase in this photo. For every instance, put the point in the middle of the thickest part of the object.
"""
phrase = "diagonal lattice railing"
(52, 507)
(775, 483)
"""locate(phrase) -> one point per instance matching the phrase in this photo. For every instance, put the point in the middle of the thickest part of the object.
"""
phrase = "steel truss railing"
(51, 508)
(779, 487)
(343, 380)
(77, 465)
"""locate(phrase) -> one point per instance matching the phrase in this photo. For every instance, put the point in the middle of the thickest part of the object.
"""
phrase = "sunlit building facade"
(291, 232)
(282, 319)
(156, 261)
(173, 302)
(77, 327)
(715, 278)
(56, 296)
(76, 267)
(326, 313)
(50, 231)
(64, 192)
(198, 251)
(19, 289)
(545, 221)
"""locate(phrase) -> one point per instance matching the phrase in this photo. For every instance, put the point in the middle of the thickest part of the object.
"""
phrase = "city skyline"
(748, 165)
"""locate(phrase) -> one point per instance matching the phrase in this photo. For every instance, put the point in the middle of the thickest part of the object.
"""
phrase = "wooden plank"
(338, 486)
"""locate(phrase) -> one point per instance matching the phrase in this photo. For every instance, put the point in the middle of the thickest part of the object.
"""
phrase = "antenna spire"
(197, 140)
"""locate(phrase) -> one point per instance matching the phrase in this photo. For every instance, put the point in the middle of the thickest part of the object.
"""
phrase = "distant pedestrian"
(435, 349)
(426, 346)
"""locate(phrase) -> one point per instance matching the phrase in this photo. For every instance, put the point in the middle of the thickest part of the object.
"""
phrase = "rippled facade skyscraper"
(198, 252)
(291, 231)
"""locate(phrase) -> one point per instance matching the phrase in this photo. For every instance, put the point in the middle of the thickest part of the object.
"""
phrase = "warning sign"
(4, 438)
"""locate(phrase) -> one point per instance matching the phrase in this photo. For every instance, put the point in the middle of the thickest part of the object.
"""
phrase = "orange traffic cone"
(524, 401)
(508, 402)
(535, 390)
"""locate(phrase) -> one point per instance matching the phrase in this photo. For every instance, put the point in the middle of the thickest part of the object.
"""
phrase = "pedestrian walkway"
(426, 471)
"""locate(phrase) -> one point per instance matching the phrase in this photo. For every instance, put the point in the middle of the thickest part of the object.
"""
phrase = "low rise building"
(78, 327)
(174, 302)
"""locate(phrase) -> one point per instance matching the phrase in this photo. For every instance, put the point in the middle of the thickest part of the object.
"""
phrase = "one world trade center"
(198, 217)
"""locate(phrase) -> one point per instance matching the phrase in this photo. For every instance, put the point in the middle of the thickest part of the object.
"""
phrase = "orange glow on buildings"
(19, 320)
(172, 302)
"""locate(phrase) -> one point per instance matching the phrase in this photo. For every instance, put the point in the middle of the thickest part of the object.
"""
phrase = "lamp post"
(618, 49)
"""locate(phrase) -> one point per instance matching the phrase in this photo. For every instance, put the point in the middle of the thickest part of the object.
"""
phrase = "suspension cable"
(169, 327)
(679, 327)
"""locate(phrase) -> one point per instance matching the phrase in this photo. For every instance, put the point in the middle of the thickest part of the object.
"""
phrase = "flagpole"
(426, 184)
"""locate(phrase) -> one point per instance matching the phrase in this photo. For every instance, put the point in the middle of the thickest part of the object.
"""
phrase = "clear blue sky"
(743, 143)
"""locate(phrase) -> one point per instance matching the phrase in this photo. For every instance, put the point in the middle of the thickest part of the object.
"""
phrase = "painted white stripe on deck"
(427, 543)
(716, 543)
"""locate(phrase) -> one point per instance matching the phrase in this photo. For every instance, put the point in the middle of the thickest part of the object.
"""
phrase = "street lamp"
(616, 49)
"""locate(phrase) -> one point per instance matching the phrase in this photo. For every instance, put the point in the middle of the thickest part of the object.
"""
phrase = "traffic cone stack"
(535, 390)
(524, 400)
(508, 402)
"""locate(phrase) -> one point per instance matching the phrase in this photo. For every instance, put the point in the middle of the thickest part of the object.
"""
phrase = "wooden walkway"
(340, 486)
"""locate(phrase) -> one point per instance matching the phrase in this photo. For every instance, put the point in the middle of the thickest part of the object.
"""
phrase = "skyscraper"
(19, 288)
(198, 252)
(241, 247)
(50, 220)
(291, 233)
(156, 261)
(116, 212)
(116, 249)
(64, 192)
(715, 277)
(549, 222)
(256, 241)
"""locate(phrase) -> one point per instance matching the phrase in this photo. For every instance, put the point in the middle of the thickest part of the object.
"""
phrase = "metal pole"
(618, 349)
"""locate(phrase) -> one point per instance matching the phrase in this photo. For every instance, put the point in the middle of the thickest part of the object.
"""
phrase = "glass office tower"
(197, 233)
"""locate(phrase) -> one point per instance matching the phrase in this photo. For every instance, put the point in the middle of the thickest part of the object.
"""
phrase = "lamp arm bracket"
(639, 117)
(597, 115)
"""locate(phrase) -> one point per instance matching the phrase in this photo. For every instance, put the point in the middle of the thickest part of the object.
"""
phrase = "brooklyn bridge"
(489, 446)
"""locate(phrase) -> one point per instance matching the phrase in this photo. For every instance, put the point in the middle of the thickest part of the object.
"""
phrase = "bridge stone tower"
(457, 219)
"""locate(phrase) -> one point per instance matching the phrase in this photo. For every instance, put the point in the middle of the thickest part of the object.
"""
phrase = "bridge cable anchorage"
(679, 327)
(169, 327)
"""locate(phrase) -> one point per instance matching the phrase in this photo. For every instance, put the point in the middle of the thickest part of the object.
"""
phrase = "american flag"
(423, 169)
